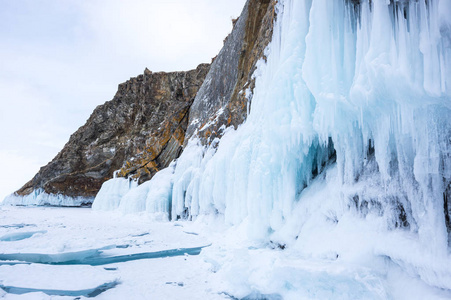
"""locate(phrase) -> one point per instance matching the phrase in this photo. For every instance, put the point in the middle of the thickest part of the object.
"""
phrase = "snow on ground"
(231, 267)
(72, 230)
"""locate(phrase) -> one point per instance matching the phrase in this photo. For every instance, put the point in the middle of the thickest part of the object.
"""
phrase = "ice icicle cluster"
(356, 98)
(110, 195)
(152, 197)
(342, 79)
(347, 147)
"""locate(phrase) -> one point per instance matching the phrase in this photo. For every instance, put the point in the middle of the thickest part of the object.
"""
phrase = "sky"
(59, 59)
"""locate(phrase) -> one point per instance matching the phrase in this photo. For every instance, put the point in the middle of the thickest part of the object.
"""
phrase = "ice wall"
(346, 151)
(152, 197)
(39, 198)
(112, 191)
(356, 98)
(371, 79)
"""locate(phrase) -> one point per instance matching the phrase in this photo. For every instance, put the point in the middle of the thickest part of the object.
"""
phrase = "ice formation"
(361, 88)
(39, 197)
(125, 195)
(111, 193)
(347, 146)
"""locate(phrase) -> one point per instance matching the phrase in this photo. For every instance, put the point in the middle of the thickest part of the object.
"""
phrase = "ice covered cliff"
(346, 150)
(221, 102)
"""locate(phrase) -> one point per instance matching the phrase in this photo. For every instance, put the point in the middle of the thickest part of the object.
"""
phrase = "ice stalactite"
(369, 76)
(359, 92)
(348, 137)
(112, 193)
(152, 197)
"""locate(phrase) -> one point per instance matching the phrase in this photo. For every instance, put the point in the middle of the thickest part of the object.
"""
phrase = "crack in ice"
(89, 293)
(92, 257)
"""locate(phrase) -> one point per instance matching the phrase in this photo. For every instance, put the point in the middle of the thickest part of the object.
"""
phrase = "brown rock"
(222, 99)
(139, 132)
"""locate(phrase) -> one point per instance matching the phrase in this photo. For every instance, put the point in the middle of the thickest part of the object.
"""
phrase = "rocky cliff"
(138, 132)
(223, 99)
(153, 115)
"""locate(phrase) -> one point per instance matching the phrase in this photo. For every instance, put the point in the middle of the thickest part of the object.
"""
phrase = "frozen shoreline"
(231, 267)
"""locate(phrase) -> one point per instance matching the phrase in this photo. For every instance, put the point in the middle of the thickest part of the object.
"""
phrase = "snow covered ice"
(231, 267)
(39, 197)
(338, 185)
(60, 262)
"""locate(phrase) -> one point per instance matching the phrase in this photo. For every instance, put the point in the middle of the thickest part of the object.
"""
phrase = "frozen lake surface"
(81, 253)
(75, 253)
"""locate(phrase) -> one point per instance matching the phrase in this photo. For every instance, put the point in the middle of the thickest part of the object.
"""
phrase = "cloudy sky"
(59, 59)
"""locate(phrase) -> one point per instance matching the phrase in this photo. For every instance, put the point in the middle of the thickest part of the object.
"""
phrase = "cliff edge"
(138, 132)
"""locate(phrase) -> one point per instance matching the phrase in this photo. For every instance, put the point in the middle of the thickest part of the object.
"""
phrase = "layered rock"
(141, 130)
(223, 99)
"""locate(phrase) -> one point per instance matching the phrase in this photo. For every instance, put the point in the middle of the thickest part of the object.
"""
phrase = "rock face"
(138, 132)
(223, 98)
(152, 116)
